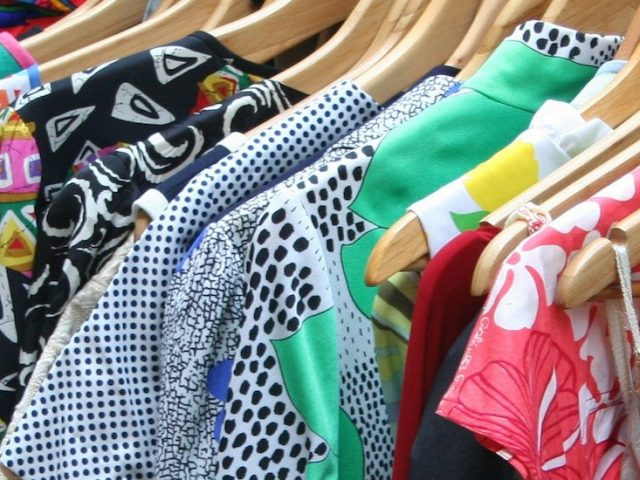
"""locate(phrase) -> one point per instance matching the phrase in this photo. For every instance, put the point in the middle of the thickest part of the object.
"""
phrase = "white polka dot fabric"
(96, 414)
(200, 336)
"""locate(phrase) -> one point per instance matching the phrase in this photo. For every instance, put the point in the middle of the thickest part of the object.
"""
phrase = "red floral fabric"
(537, 383)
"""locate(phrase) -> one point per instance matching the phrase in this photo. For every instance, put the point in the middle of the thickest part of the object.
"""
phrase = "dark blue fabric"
(173, 186)
(444, 450)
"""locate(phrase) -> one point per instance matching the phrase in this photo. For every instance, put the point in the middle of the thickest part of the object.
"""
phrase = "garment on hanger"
(74, 315)
(62, 126)
(444, 450)
(98, 109)
(67, 258)
(567, 420)
(557, 133)
(330, 222)
(78, 310)
(146, 272)
(391, 319)
(453, 265)
(218, 316)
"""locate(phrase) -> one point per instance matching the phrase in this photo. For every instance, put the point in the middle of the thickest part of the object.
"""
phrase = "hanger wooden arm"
(631, 38)
(341, 51)
(430, 42)
(402, 17)
(277, 24)
(514, 13)
(107, 18)
(601, 16)
(182, 19)
(594, 269)
(404, 243)
(578, 191)
(616, 102)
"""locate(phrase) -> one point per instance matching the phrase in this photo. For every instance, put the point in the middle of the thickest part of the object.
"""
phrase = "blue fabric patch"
(218, 379)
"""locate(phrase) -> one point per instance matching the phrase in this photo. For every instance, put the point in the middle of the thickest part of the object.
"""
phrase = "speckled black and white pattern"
(98, 408)
(230, 238)
(287, 293)
(289, 282)
(560, 42)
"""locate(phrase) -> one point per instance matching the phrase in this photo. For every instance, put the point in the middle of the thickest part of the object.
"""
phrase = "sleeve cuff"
(152, 202)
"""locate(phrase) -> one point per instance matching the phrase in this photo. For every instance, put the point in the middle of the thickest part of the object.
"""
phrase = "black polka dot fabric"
(555, 41)
(206, 310)
(96, 414)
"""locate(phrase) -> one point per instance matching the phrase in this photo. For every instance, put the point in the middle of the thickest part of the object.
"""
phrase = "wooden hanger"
(341, 51)
(613, 105)
(402, 17)
(514, 13)
(183, 18)
(589, 275)
(430, 42)
(404, 246)
(102, 20)
(248, 37)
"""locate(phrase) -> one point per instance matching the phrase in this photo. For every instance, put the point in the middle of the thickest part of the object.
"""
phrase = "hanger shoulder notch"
(404, 243)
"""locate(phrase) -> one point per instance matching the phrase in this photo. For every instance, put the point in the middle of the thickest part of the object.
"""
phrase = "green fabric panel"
(517, 75)
(354, 261)
(351, 463)
(8, 64)
(433, 149)
(309, 363)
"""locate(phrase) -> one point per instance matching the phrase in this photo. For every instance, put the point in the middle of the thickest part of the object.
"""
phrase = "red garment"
(444, 307)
